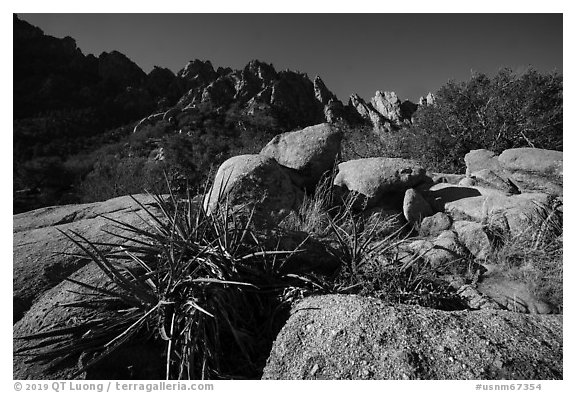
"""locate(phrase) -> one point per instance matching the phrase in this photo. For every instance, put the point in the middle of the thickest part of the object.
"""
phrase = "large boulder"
(353, 337)
(532, 160)
(534, 169)
(479, 159)
(380, 180)
(253, 182)
(43, 255)
(311, 151)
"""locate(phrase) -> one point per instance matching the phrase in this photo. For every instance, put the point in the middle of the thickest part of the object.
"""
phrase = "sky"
(410, 54)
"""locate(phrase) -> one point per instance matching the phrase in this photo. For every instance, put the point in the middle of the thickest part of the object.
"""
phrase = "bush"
(113, 176)
(506, 111)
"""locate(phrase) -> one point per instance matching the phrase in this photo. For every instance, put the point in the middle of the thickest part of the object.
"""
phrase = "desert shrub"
(496, 113)
(113, 176)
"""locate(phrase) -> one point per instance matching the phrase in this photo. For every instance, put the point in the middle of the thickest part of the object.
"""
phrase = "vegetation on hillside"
(505, 111)
(83, 165)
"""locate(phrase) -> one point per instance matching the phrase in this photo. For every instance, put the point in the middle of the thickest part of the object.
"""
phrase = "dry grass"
(535, 256)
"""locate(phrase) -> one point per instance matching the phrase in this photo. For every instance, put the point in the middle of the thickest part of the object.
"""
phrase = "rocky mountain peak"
(261, 70)
(428, 100)
(321, 91)
(387, 104)
(198, 69)
(115, 67)
(385, 110)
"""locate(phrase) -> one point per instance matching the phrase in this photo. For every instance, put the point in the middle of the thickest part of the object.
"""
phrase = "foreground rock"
(43, 255)
(311, 151)
(352, 337)
(380, 181)
(49, 313)
(253, 181)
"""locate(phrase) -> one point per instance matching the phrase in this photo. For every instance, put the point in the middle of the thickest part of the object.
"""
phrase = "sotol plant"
(203, 284)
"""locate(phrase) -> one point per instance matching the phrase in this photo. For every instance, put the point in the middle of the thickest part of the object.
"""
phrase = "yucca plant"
(202, 283)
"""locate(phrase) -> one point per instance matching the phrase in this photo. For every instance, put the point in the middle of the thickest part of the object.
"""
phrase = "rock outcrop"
(43, 255)
(352, 337)
(137, 361)
(368, 113)
(516, 214)
(529, 169)
(385, 111)
(288, 96)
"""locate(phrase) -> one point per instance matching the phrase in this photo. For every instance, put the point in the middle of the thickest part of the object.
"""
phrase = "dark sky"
(410, 54)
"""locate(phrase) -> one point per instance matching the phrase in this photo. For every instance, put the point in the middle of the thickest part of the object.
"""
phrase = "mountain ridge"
(72, 80)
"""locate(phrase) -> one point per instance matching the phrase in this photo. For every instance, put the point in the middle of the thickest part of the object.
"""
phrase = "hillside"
(68, 105)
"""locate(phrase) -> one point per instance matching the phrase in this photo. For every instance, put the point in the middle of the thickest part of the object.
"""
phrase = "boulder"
(311, 151)
(415, 207)
(353, 337)
(477, 160)
(532, 160)
(434, 225)
(474, 238)
(253, 182)
(43, 255)
(379, 180)
(534, 169)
